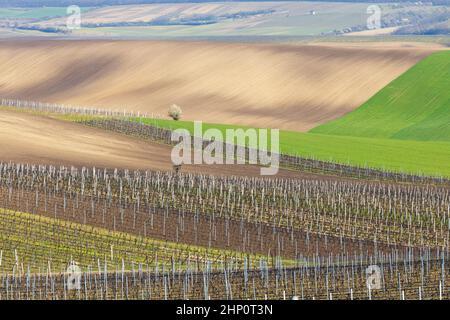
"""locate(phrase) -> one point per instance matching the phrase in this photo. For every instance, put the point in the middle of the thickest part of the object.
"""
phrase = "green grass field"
(418, 157)
(415, 106)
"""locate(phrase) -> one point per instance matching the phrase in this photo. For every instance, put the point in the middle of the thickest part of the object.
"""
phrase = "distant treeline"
(442, 28)
(93, 3)
(436, 24)
(42, 29)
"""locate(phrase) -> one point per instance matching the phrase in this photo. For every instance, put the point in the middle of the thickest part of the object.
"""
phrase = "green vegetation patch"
(417, 157)
(415, 106)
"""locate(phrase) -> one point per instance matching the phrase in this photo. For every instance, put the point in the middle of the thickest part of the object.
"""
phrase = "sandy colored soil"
(35, 139)
(28, 138)
(384, 45)
(375, 32)
(294, 87)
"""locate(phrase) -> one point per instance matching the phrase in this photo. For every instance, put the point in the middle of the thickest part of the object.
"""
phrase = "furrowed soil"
(285, 86)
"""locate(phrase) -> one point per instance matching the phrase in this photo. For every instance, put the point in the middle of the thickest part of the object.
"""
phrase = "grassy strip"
(429, 158)
(416, 157)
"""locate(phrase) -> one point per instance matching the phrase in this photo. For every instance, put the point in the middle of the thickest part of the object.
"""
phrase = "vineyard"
(176, 235)
(195, 236)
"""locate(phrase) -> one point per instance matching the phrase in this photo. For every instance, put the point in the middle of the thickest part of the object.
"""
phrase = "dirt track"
(293, 87)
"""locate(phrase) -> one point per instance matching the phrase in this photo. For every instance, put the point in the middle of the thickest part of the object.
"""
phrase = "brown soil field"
(374, 32)
(286, 86)
(28, 138)
(35, 139)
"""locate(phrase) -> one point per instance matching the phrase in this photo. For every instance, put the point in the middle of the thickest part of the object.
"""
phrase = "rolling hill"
(415, 106)
(285, 86)
(32, 138)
